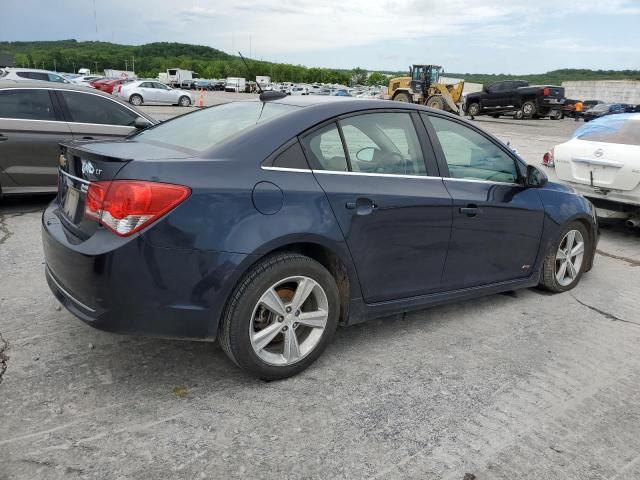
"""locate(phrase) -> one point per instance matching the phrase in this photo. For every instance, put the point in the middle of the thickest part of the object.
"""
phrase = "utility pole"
(96, 64)
(126, 65)
(55, 65)
(133, 64)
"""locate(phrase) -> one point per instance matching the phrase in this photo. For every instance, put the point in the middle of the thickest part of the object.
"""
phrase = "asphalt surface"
(517, 386)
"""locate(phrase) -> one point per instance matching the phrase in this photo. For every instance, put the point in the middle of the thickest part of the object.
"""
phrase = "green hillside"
(152, 58)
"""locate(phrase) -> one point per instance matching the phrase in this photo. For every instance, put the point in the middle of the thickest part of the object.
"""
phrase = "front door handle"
(470, 210)
(3, 138)
(87, 138)
(362, 206)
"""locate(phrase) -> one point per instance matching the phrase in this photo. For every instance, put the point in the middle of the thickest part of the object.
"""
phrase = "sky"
(473, 36)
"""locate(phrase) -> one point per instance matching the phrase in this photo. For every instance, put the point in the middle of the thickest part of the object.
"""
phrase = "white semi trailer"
(175, 76)
(235, 84)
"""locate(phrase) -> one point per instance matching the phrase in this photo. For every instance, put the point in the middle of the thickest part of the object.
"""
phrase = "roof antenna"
(264, 96)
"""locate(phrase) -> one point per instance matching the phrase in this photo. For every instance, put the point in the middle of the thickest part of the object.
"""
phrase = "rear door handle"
(362, 206)
(3, 138)
(87, 138)
(470, 210)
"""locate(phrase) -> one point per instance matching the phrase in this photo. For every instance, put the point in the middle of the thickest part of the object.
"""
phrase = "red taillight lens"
(547, 158)
(546, 92)
(126, 206)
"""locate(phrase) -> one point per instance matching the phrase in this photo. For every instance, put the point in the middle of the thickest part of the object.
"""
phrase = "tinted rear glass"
(622, 129)
(202, 130)
(26, 104)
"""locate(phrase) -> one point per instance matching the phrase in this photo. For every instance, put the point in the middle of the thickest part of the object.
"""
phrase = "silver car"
(151, 91)
(35, 117)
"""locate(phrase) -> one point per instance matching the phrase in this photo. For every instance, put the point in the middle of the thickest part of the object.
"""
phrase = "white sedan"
(602, 161)
(142, 92)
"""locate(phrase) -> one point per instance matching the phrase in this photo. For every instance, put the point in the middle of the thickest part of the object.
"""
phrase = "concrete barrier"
(610, 91)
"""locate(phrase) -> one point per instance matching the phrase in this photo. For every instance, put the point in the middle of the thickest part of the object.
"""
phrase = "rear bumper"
(614, 200)
(135, 288)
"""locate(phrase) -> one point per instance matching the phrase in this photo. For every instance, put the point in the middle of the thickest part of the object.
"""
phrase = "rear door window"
(34, 75)
(26, 104)
(90, 108)
(385, 143)
(325, 151)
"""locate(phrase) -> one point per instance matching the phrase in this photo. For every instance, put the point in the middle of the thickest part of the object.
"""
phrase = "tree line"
(152, 58)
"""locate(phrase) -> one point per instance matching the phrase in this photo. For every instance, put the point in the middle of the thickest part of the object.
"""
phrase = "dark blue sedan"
(267, 223)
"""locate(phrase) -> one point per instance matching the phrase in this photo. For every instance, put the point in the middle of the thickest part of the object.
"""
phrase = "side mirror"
(141, 123)
(536, 178)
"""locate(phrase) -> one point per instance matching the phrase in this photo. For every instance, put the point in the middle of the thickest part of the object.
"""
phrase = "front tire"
(566, 259)
(135, 100)
(403, 97)
(473, 109)
(436, 102)
(281, 316)
(184, 101)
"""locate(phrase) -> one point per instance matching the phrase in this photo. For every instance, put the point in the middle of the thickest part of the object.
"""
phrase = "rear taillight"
(547, 158)
(126, 206)
(546, 92)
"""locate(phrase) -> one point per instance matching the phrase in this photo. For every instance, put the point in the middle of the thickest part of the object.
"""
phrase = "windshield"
(603, 107)
(202, 130)
(622, 129)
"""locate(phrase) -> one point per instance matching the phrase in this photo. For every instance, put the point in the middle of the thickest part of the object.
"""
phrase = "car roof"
(8, 83)
(312, 111)
(20, 69)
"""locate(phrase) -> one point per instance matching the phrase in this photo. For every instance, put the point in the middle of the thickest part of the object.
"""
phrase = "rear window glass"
(202, 130)
(622, 129)
(26, 104)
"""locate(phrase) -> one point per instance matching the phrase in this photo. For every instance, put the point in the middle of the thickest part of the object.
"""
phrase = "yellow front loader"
(423, 86)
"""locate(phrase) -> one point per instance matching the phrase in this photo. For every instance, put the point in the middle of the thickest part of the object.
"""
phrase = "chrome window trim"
(492, 182)
(387, 175)
(74, 177)
(367, 174)
(69, 296)
(286, 169)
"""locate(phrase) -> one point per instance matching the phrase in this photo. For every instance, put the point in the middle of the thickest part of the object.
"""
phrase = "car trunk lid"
(602, 166)
(82, 163)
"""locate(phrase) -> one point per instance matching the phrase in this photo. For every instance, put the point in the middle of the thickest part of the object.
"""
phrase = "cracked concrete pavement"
(524, 385)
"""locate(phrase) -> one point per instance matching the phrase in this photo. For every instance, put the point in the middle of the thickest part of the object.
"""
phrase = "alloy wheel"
(288, 321)
(569, 257)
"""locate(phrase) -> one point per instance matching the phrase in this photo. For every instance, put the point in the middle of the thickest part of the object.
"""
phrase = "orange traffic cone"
(201, 97)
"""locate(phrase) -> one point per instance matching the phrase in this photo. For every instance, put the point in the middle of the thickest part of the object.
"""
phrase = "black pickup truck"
(517, 98)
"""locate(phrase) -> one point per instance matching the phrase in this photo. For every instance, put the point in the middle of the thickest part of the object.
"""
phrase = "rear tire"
(566, 259)
(272, 286)
(473, 109)
(403, 97)
(135, 100)
(529, 109)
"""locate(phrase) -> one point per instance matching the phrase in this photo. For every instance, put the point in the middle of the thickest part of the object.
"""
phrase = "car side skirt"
(359, 311)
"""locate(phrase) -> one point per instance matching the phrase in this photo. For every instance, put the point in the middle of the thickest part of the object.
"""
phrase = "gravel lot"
(517, 386)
